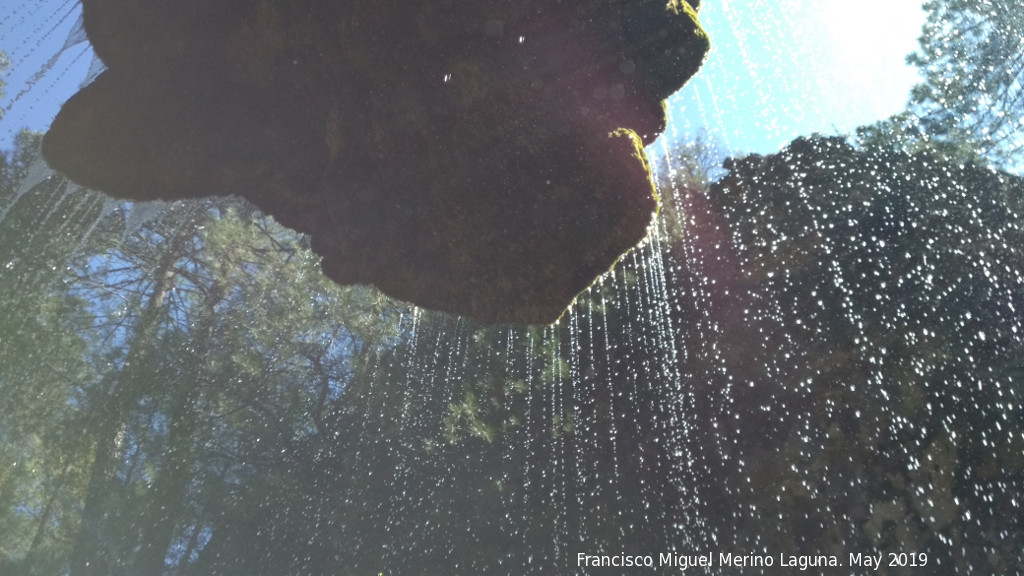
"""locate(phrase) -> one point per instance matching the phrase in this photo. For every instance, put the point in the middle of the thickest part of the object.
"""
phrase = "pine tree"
(971, 57)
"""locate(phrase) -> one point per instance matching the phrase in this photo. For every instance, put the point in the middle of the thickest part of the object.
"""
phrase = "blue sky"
(783, 68)
(41, 77)
(778, 68)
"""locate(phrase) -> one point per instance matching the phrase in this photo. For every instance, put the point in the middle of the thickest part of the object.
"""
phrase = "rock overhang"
(483, 158)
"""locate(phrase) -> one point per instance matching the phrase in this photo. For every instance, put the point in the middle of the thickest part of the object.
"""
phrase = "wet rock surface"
(482, 158)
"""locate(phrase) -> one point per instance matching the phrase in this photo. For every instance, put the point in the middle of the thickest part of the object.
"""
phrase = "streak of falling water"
(717, 115)
(508, 523)
(107, 207)
(51, 32)
(529, 417)
(612, 408)
(38, 172)
(579, 440)
(675, 398)
(399, 449)
(69, 204)
(558, 462)
(44, 71)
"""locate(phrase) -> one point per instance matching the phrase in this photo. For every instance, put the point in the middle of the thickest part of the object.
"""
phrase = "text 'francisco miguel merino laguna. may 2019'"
(729, 559)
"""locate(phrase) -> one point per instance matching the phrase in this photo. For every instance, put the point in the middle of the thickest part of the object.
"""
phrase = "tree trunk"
(167, 497)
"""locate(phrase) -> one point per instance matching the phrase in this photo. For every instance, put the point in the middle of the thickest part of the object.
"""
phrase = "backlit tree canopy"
(972, 59)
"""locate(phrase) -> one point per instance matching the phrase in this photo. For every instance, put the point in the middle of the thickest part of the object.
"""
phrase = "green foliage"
(971, 56)
(138, 374)
(42, 356)
(905, 132)
(466, 414)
